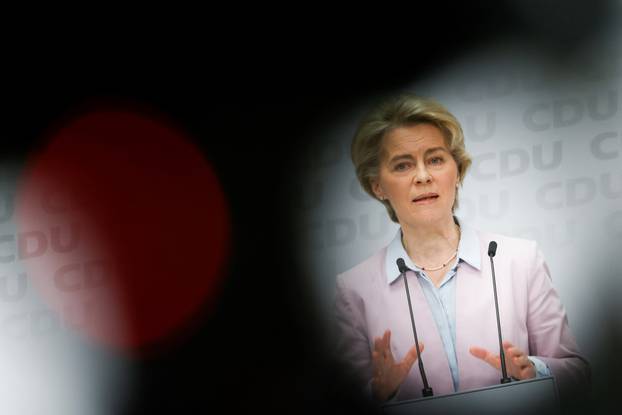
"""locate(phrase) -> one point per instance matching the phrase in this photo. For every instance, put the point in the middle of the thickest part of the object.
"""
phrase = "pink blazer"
(532, 318)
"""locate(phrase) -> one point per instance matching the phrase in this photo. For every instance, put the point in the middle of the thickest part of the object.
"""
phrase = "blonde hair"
(400, 111)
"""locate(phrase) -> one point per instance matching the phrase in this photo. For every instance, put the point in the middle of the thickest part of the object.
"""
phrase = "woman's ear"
(375, 187)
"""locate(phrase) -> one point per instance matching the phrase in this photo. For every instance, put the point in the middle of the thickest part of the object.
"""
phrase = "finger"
(375, 358)
(517, 357)
(385, 340)
(376, 368)
(478, 352)
(528, 372)
(388, 352)
(378, 365)
(487, 356)
(411, 356)
(513, 351)
(378, 344)
(507, 345)
(508, 350)
(521, 361)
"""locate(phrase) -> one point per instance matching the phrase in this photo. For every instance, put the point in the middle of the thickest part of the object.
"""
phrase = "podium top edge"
(501, 385)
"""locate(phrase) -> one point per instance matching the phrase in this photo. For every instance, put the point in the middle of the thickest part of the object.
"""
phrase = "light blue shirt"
(442, 299)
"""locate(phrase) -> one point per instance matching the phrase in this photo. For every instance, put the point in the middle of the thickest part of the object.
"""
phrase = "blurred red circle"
(123, 227)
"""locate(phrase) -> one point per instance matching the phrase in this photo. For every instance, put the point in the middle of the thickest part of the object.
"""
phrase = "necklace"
(440, 266)
(444, 263)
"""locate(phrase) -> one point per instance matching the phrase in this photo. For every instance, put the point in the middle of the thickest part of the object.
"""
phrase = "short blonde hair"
(400, 111)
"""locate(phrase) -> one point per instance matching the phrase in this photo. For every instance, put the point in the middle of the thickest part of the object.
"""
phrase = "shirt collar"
(468, 251)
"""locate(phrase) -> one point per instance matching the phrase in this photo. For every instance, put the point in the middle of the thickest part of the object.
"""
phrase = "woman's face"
(417, 174)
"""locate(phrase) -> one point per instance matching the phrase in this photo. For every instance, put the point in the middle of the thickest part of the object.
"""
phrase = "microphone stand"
(492, 250)
(427, 390)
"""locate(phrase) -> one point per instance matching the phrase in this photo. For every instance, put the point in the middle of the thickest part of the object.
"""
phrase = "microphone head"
(492, 249)
(401, 265)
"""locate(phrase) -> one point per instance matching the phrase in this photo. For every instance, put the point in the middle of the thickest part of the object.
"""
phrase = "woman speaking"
(409, 154)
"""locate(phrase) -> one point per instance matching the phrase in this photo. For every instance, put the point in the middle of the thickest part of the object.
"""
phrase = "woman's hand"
(517, 363)
(387, 374)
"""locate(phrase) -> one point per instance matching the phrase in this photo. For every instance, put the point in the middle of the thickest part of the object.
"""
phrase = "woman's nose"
(422, 175)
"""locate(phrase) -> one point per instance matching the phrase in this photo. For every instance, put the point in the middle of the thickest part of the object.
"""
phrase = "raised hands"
(388, 374)
(517, 363)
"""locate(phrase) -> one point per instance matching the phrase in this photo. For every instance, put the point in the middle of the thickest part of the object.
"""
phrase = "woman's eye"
(401, 166)
(436, 160)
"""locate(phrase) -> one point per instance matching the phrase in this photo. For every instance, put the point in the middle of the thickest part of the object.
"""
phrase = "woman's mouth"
(425, 198)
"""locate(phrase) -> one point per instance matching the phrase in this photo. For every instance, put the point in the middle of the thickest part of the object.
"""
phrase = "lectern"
(525, 397)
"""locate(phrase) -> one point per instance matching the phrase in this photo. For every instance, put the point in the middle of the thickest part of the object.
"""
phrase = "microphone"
(492, 251)
(427, 390)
